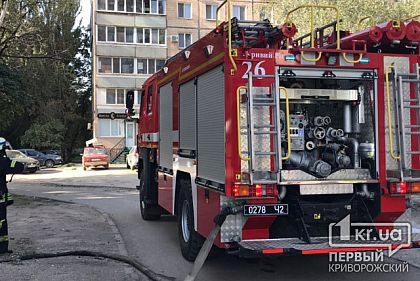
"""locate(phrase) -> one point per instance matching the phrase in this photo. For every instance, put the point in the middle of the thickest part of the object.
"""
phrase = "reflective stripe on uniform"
(1, 223)
(2, 199)
(4, 238)
(13, 164)
(9, 197)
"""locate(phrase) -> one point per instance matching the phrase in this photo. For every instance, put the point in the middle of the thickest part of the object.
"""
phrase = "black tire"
(148, 212)
(106, 167)
(189, 239)
(128, 166)
(32, 172)
(84, 168)
(49, 163)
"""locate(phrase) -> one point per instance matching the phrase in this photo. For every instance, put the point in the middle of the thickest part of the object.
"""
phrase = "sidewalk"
(46, 226)
(116, 176)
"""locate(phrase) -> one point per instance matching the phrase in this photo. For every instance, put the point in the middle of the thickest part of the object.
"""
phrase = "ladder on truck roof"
(405, 127)
(262, 130)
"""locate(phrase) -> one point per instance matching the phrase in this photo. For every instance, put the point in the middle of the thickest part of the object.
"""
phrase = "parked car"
(95, 157)
(132, 158)
(52, 151)
(31, 164)
(47, 160)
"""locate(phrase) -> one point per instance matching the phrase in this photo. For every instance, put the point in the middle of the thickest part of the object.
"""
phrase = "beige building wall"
(197, 26)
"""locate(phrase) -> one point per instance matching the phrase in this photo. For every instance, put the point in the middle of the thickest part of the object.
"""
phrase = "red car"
(95, 157)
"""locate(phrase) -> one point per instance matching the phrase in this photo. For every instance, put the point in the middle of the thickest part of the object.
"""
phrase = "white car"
(132, 158)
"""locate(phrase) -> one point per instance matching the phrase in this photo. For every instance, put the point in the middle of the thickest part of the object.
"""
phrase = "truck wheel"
(190, 240)
(148, 212)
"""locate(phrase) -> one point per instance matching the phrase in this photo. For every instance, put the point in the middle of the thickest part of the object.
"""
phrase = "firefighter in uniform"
(7, 166)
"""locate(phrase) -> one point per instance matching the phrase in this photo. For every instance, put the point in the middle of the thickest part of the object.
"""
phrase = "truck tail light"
(404, 187)
(415, 187)
(258, 190)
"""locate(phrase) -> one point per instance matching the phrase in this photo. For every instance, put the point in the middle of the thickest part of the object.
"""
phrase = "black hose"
(134, 263)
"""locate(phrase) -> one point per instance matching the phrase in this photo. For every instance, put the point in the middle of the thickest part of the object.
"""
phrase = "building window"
(101, 4)
(184, 40)
(116, 65)
(130, 6)
(111, 5)
(111, 128)
(159, 64)
(154, 7)
(151, 36)
(146, 36)
(129, 35)
(110, 96)
(149, 66)
(110, 33)
(162, 37)
(120, 96)
(239, 12)
(155, 36)
(121, 5)
(121, 34)
(184, 10)
(104, 65)
(115, 96)
(101, 33)
(127, 65)
(139, 6)
(211, 12)
(161, 7)
(142, 66)
(146, 6)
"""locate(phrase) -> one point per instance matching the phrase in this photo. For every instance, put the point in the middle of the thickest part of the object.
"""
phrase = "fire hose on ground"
(119, 258)
(205, 249)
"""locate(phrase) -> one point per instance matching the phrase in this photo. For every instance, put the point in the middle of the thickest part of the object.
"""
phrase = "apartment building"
(132, 39)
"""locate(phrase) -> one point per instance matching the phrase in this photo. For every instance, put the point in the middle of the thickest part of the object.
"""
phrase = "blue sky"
(85, 12)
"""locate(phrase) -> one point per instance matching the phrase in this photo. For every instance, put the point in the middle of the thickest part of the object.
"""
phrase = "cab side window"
(149, 98)
(142, 96)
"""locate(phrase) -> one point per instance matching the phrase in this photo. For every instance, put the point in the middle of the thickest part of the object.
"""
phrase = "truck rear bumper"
(295, 246)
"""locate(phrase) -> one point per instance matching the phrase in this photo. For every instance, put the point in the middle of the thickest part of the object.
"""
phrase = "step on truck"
(298, 134)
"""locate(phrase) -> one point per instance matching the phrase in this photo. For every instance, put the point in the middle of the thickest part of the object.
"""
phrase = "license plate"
(95, 160)
(266, 210)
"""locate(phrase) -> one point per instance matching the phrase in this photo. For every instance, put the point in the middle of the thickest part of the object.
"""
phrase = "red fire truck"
(293, 134)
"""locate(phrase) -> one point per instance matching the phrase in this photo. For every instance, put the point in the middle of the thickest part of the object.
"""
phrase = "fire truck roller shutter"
(165, 127)
(211, 126)
(187, 119)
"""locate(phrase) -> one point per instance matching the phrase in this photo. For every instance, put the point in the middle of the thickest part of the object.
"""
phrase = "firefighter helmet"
(3, 143)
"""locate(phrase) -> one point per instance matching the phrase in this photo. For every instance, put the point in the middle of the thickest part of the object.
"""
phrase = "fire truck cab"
(296, 133)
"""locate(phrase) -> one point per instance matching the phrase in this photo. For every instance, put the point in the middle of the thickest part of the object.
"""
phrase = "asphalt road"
(156, 243)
